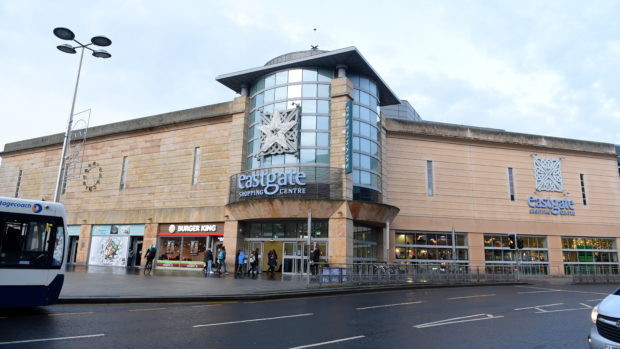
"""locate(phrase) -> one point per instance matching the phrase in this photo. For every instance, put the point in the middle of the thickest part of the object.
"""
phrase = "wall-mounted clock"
(92, 176)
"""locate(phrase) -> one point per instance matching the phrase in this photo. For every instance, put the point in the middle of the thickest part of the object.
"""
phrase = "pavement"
(101, 284)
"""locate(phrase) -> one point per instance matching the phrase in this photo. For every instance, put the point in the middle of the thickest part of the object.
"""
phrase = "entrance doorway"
(294, 257)
(249, 248)
(73, 247)
(136, 245)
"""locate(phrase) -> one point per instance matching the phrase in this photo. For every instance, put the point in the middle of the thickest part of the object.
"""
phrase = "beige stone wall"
(471, 190)
(341, 93)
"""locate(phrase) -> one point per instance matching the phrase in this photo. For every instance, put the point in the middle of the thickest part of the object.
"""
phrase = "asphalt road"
(464, 317)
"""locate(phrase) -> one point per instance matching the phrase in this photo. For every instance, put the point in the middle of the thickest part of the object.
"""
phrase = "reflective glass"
(322, 123)
(259, 99)
(365, 161)
(364, 84)
(324, 91)
(374, 164)
(308, 106)
(373, 88)
(356, 127)
(307, 156)
(309, 90)
(260, 85)
(365, 178)
(356, 143)
(356, 95)
(270, 81)
(322, 156)
(308, 122)
(325, 75)
(364, 129)
(290, 159)
(364, 98)
(280, 93)
(280, 106)
(364, 114)
(373, 148)
(356, 160)
(322, 139)
(310, 75)
(365, 145)
(355, 79)
(356, 111)
(281, 77)
(308, 139)
(294, 91)
(294, 75)
(277, 159)
(268, 108)
(323, 107)
(269, 95)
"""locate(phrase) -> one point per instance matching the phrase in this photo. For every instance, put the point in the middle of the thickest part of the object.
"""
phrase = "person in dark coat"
(208, 261)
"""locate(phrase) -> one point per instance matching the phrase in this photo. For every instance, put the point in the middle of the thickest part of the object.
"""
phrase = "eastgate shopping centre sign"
(551, 206)
(273, 183)
(289, 182)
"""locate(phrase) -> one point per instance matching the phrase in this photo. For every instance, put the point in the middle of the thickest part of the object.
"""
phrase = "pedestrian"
(315, 259)
(254, 262)
(271, 261)
(208, 262)
(221, 260)
(151, 252)
(130, 258)
(239, 263)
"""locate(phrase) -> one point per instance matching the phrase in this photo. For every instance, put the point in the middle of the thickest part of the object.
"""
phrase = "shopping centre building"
(319, 133)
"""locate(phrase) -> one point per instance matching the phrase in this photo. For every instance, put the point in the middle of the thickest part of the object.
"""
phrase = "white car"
(605, 332)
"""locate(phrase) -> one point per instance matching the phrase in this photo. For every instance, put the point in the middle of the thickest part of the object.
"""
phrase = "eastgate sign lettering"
(271, 183)
(551, 206)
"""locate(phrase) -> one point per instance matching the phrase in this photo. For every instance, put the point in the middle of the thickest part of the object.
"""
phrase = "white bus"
(32, 252)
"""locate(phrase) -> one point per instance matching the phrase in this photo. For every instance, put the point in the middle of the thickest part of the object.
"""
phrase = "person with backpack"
(208, 262)
(221, 260)
(272, 260)
(315, 258)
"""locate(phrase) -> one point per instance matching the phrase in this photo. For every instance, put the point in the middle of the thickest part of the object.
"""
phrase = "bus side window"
(59, 246)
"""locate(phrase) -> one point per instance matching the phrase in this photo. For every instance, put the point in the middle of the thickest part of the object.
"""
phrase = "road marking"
(388, 305)
(560, 290)
(587, 306)
(52, 339)
(559, 310)
(476, 317)
(594, 300)
(147, 309)
(254, 320)
(480, 295)
(544, 291)
(330, 342)
(205, 305)
(58, 314)
(287, 299)
(539, 306)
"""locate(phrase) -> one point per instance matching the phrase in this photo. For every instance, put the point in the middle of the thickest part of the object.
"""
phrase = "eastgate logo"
(551, 206)
(271, 183)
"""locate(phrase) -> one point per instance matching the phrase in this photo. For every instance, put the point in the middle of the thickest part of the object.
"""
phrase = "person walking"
(130, 258)
(239, 263)
(315, 258)
(254, 262)
(271, 261)
(221, 260)
(208, 262)
(150, 255)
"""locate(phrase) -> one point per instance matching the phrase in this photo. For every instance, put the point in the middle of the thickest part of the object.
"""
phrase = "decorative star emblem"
(279, 132)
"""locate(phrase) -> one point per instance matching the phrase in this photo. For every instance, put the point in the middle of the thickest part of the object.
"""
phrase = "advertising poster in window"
(109, 250)
(193, 249)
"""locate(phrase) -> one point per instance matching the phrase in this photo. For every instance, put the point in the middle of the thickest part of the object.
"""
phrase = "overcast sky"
(541, 67)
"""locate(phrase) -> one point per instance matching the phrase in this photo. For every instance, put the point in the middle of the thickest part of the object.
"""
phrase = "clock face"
(91, 176)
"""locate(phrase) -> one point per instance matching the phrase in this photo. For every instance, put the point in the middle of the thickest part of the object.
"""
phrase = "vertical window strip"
(19, 182)
(429, 177)
(583, 189)
(511, 184)
(123, 173)
(196, 169)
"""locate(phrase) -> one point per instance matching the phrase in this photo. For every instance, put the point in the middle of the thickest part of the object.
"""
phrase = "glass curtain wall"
(589, 255)
(533, 258)
(365, 243)
(309, 88)
(366, 134)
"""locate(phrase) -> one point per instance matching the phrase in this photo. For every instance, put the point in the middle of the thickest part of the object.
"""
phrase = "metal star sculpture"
(279, 132)
(548, 174)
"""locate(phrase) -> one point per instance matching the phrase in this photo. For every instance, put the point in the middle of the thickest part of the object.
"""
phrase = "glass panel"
(308, 122)
(294, 75)
(322, 123)
(281, 77)
(269, 95)
(277, 159)
(322, 156)
(280, 93)
(260, 85)
(308, 106)
(309, 90)
(364, 98)
(324, 91)
(322, 139)
(294, 91)
(308, 139)
(325, 75)
(364, 83)
(310, 75)
(323, 107)
(307, 156)
(59, 246)
(270, 81)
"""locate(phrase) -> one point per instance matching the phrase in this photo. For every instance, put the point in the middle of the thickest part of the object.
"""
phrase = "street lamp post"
(67, 34)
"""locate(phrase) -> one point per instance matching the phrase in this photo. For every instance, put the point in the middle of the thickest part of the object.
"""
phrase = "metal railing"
(334, 274)
(591, 273)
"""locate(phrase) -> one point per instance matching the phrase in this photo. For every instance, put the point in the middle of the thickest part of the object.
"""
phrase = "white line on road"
(479, 295)
(330, 342)
(560, 290)
(57, 314)
(148, 309)
(476, 317)
(388, 305)
(559, 310)
(253, 320)
(539, 306)
(594, 300)
(52, 339)
(544, 291)
(587, 306)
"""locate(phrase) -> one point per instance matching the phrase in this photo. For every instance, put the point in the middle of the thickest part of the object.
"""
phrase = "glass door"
(294, 257)
(250, 247)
